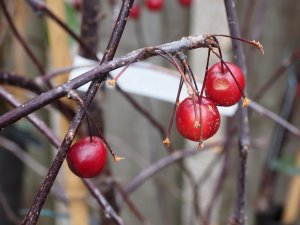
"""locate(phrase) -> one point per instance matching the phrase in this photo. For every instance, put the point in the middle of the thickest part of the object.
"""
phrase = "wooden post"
(60, 57)
(292, 206)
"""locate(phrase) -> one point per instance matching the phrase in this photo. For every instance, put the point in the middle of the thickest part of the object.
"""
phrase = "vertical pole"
(292, 206)
(60, 57)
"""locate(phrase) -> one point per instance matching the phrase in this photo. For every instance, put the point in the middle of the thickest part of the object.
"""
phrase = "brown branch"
(57, 72)
(32, 118)
(38, 168)
(30, 85)
(244, 140)
(40, 7)
(284, 65)
(56, 142)
(133, 208)
(225, 167)
(103, 202)
(88, 52)
(34, 212)
(91, 12)
(142, 111)
(186, 43)
(20, 81)
(89, 34)
(20, 39)
(156, 167)
(271, 115)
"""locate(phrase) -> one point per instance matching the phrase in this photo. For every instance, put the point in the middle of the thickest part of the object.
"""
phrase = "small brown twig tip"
(167, 142)
(258, 45)
(118, 158)
(246, 102)
(201, 145)
(112, 82)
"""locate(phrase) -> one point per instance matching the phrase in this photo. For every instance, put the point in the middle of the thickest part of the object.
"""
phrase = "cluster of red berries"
(197, 117)
(153, 5)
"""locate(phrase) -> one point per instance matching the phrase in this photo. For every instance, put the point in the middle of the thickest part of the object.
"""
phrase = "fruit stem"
(113, 81)
(183, 58)
(72, 94)
(220, 52)
(254, 43)
(240, 89)
(205, 75)
(167, 140)
(89, 128)
(171, 59)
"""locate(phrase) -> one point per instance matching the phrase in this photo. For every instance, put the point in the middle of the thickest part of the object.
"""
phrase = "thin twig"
(91, 12)
(32, 118)
(154, 168)
(34, 212)
(37, 167)
(186, 43)
(56, 142)
(271, 115)
(20, 39)
(224, 170)
(244, 140)
(30, 85)
(40, 7)
(37, 6)
(109, 211)
(281, 69)
(20, 81)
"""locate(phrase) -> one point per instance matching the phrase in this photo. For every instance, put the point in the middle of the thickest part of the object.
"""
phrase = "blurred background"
(170, 196)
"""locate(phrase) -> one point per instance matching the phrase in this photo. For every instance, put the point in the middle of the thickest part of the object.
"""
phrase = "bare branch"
(186, 43)
(34, 212)
(244, 140)
(40, 7)
(56, 142)
(20, 39)
(271, 115)
(161, 164)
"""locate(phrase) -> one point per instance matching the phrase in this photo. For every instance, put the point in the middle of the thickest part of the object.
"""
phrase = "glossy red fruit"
(185, 2)
(193, 128)
(135, 12)
(87, 158)
(155, 5)
(221, 88)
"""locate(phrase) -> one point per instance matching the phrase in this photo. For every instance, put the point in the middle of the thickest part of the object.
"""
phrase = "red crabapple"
(155, 5)
(87, 158)
(194, 128)
(135, 12)
(221, 87)
(185, 2)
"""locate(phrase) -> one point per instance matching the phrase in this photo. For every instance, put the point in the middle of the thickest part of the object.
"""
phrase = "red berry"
(77, 4)
(87, 158)
(135, 12)
(195, 129)
(155, 5)
(185, 2)
(221, 88)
